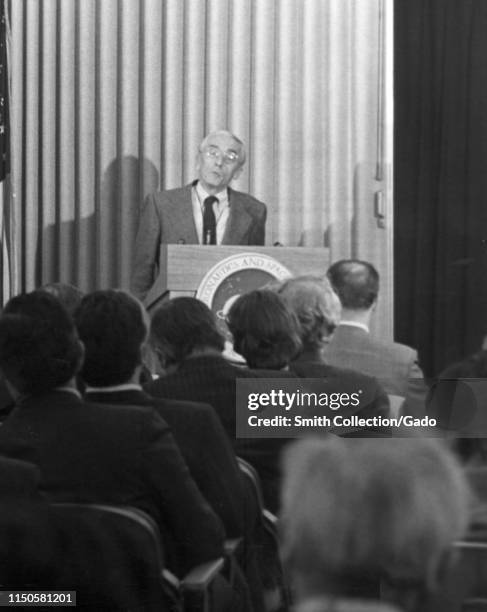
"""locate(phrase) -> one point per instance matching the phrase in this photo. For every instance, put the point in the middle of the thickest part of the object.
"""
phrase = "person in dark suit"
(205, 212)
(90, 452)
(190, 346)
(186, 337)
(112, 326)
(352, 346)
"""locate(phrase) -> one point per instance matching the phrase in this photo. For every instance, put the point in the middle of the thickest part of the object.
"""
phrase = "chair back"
(273, 579)
(464, 586)
(114, 557)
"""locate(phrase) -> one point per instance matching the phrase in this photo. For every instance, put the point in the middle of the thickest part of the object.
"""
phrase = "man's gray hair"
(242, 154)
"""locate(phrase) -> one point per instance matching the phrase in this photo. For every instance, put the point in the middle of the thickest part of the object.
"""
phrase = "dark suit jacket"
(204, 446)
(394, 365)
(119, 455)
(213, 466)
(167, 217)
(212, 379)
(19, 480)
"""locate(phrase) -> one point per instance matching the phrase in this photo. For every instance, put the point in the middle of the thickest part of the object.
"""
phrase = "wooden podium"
(182, 267)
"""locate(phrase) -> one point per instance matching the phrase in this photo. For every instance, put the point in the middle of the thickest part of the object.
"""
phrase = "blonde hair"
(315, 304)
(390, 507)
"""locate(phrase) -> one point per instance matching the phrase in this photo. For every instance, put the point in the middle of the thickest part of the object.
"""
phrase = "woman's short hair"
(384, 507)
(316, 306)
(264, 329)
(182, 325)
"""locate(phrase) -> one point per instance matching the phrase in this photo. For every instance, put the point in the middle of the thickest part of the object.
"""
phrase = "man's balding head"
(355, 282)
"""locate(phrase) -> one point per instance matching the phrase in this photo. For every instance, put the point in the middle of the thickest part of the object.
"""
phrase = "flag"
(6, 214)
(4, 97)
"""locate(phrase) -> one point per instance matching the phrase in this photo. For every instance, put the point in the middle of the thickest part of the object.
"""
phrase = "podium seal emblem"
(235, 275)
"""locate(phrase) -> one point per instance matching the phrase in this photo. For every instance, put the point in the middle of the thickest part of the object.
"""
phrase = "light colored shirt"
(221, 208)
(115, 388)
(354, 324)
(326, 604)
(69, 390)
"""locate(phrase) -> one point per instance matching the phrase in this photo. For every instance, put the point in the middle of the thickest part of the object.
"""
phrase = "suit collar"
(211, 360)
(114, 388)
(55, 397)
(121, 396)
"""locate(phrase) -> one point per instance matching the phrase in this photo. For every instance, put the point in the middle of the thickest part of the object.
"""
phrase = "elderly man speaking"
(205, 212)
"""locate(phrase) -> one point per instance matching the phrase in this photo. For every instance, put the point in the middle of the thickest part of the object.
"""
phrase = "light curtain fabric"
(110, 99)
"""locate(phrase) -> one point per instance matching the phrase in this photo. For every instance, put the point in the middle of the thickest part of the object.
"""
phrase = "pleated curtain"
(110, 99)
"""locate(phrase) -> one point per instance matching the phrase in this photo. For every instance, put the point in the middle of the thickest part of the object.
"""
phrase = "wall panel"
(111, 98)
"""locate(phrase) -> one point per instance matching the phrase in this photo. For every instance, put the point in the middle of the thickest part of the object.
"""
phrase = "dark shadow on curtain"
(440, 156)
(86, 251)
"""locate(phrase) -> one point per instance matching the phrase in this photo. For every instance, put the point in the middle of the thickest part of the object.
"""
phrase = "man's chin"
(215, 186)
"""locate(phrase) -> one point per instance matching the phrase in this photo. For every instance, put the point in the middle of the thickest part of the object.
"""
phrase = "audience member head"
(69, 295)
(113, 327)
(220, 159)
(355, 282)
(316, 306)
(365, 509)
(264, 330)
(183, 327)
(39, 346)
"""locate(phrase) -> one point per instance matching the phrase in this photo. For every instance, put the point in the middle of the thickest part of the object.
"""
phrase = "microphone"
(278, 244)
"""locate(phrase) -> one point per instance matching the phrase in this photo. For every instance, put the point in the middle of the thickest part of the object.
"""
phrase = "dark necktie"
(209, 221)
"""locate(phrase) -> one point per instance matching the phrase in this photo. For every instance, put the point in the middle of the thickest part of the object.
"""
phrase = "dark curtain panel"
(440, 149)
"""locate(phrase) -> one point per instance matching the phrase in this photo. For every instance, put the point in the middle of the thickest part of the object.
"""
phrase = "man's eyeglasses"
(230, 157)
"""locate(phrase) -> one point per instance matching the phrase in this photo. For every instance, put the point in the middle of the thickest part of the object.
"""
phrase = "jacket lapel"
(238, 223)
(179, 219)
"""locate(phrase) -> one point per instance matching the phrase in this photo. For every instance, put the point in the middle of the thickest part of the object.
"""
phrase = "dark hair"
(264, 329)
(69, 295)
(112, 327)
(182, 325)
(356, 283)
(39, 346)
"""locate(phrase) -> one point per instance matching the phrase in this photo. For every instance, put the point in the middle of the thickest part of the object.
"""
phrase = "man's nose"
(219, 159)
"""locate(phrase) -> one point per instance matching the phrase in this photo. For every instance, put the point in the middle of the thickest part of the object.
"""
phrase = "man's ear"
(197, 163)
(237, 173)
(164, 354)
